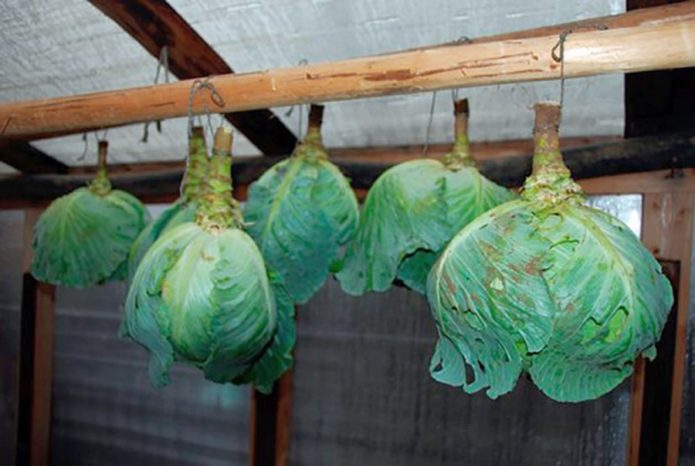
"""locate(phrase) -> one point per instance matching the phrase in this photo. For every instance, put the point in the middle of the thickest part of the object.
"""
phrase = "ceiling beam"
(614, 44)
(668, 152)
(481, 150)
(28, 159)
(155, 24)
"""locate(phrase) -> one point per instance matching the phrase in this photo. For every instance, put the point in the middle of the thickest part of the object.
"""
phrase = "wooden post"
(271, 421)
(661, 38)
(667, 231)
(271, 418)
(35, 361)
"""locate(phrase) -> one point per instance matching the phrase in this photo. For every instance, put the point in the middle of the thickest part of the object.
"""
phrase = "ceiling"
(51, 48)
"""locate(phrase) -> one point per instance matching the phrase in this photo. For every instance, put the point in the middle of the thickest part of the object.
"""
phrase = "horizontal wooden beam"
(482, 150)
(662, 39)
(673, 153)
(155, 24)
(28, 159)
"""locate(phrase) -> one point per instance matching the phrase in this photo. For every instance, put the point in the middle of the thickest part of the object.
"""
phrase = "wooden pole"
(35, 361)
(669, 235)
(662, 39)
(156, 24)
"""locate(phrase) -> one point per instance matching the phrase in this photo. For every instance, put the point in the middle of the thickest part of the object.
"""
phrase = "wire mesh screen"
(11, 227)
(363, 394)
(105, 412)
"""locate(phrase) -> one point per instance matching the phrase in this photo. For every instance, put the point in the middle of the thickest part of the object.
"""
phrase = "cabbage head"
(83, 238)
(183, 209)
(277, 358)
(410, 214)
(548, 286)
(201, 294)
(301, 212)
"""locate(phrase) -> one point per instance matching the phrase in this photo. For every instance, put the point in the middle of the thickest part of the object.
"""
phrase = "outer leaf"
(202, 298)
(278, 357)
(488, 302)
(568, 294)
(612, 302)
(300, 212)
(83, 239)
(414, 269)
(413, 208)
(176, 214)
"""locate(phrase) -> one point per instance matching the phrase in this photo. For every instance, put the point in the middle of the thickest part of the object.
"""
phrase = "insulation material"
(59, 48)
(253, 35)
(64, 47)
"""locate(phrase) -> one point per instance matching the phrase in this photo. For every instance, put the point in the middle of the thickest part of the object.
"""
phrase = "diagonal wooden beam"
(155, 24)
(28, 159)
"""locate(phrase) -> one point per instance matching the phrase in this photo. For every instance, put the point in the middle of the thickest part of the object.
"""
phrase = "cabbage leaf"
(278, 357)
(201, 293)
(548, 286)
(411, 212)
(300, 212)
(83, 238)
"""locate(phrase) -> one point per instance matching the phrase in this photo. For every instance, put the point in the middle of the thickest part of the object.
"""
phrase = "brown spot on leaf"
(531, 266)
(449, 283)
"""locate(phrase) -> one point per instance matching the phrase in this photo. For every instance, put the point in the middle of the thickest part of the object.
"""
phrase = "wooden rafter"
(155, 24)
(482, 150)
(28, 159)
(613, 44)
(672, 153)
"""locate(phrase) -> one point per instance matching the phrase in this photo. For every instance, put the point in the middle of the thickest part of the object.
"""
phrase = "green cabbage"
(83, 238)
(547, 286)
(410, 214)
(300, 212)
(277, 357)
(201, 293)
(181, 211)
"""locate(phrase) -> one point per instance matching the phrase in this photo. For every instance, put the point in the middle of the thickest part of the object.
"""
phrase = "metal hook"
(163, 63)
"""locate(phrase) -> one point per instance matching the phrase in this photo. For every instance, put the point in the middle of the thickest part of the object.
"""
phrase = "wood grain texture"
(35, 362)
(669, 31)
(658, 374)
(155, 24)
(670, 236)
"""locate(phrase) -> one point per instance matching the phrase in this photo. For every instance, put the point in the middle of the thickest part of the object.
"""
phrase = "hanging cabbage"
(201, 293)
(277, 357)
(83, 238)
(181, 211)
(412, 211)
(548, 286)
(300, 212)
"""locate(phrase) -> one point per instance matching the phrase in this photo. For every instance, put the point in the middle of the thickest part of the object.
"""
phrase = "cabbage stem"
(196, 164)
(311, 147)
(216, 210)
(460, 155)
(550, 181)
(101, 185)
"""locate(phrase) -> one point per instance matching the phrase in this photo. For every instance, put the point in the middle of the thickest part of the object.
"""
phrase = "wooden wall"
(687, 438)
